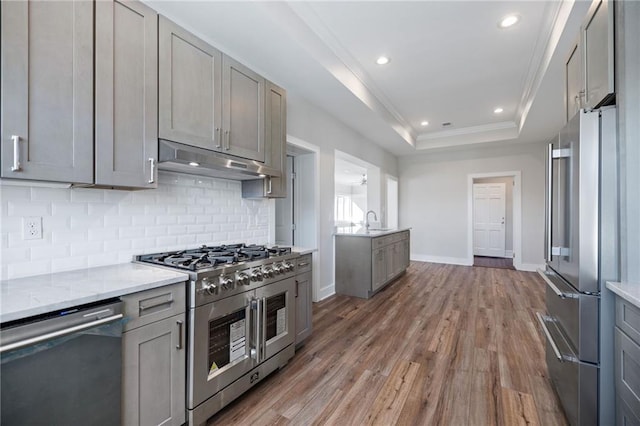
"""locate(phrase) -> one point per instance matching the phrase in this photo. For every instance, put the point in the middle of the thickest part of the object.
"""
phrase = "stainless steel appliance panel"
(575, 314)
(224, 327)
(64, 368)
(574, 199)
(278, 316)
(576, 382)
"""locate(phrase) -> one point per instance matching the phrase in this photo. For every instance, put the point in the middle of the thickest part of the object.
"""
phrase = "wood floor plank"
(443, 345)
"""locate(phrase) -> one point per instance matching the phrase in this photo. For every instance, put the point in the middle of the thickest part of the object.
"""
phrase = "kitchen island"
(368, 260)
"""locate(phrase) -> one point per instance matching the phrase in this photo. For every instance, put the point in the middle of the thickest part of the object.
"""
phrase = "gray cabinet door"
(47, 90)
(276, 139)
(243, 111)
(126, 97)
(303, 306)
(379, 268)
(574, 92)
(598, 39)
(189, 85)
(153, 373)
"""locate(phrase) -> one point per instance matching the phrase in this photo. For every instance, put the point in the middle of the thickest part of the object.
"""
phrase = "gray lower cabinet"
(304, 299)
(627, 363)
(154, 357)
(365, 264)
(47, 90)
(126, 97)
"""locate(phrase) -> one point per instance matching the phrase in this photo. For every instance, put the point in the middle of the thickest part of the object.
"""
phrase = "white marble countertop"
(25, 297)
(359, 231)
(628, 291)
(302, 250)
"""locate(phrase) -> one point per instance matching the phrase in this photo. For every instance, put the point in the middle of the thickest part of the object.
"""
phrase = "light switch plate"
(32, 228)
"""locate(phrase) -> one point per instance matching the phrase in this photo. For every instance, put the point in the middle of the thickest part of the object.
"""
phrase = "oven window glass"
(276, 316)
(227, 340)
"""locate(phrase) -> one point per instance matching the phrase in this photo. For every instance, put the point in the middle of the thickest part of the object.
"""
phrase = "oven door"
(220, 346)
(278, 316)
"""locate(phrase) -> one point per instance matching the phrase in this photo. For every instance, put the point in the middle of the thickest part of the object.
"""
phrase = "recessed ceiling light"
(382, 60)
(497, 110)
(194, 164)
(509, 21)
(424, 123)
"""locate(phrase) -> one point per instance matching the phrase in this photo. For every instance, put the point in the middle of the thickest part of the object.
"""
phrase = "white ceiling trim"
(348, 71)
(493, 132)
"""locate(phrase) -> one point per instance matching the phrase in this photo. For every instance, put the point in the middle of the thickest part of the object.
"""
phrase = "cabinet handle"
(301, 264)
(179, 345)
(218, 145)
(16, 154)
(269, 191)
(549, 200)
(152, 164)
(297, 284)
(227, 134)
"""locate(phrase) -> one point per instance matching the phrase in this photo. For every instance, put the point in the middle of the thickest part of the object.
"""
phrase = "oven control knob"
(278, 269)
(243, 279)
(226, 283)
(268, 272)
(256, 275)
(210, 288)
(288, 266)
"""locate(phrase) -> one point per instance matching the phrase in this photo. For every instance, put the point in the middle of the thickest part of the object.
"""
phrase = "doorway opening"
(392, 202)
(494, 220)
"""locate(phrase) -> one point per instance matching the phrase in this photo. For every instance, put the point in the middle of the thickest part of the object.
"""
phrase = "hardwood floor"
(443, 345)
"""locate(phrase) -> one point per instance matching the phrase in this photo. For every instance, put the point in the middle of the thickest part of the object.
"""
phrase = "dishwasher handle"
(58, 333)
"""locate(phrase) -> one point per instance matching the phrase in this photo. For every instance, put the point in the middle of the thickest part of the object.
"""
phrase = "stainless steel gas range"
(241, 319)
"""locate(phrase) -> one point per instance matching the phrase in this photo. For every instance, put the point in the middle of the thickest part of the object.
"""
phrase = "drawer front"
(627, 371)
(153, 305)
(303, 264)
(624, 415)
(628, 319)
(382, 241)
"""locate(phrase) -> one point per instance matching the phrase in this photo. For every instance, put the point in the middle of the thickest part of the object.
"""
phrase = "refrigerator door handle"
(554, 288)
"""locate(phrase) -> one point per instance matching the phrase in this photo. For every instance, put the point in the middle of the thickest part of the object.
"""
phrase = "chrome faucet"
(366, 223)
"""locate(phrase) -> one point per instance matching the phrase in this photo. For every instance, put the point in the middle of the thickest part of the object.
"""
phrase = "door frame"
(517, 213)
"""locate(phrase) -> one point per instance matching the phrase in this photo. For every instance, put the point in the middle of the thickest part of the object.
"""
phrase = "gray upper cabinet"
(243, 111)
(126, 97)
(47, 90)
(574, 93)
(598, 40)
(190, 86)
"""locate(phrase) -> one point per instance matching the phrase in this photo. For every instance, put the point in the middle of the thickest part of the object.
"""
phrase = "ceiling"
(450, 62)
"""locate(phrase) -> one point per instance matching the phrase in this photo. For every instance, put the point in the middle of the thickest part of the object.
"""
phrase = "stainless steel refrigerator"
(581, 253)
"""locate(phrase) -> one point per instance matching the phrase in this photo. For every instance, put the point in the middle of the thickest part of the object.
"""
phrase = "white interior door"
(489, 209)
(284, 210)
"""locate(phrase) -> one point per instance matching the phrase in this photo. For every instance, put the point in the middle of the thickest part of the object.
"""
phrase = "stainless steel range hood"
(182, 158)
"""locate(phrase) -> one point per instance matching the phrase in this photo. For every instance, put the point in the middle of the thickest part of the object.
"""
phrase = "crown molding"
(492, 132)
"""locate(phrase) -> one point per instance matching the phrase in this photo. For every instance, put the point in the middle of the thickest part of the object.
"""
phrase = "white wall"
(315, 126)
(433, 199)
(85, 227)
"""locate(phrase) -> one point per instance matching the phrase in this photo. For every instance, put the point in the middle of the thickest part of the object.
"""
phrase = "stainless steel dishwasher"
(63, 368)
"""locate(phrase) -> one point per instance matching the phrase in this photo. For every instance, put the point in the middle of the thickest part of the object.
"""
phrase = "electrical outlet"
(32, 228)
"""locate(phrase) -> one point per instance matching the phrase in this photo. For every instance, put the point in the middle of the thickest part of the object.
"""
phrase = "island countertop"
(24, 297)
(359, 231)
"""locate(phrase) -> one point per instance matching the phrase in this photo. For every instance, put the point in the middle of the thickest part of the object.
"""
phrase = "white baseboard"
(529, 267)
(508, 254)
(326, 291)
(441, 259)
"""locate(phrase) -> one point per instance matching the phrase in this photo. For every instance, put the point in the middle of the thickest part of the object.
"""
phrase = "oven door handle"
(263, 339)
(257, 308)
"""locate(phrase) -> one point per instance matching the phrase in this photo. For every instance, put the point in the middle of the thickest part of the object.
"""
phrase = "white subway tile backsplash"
(89, 227)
